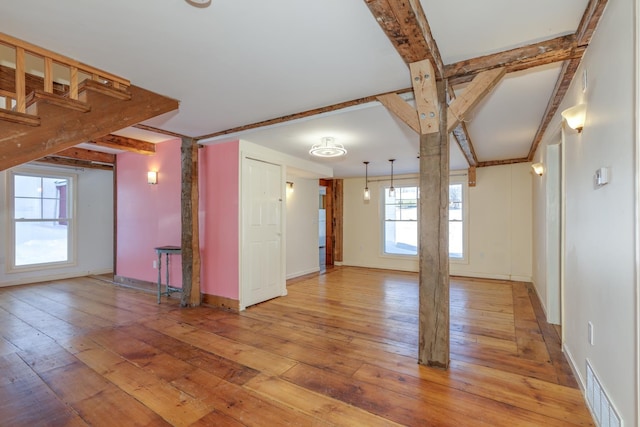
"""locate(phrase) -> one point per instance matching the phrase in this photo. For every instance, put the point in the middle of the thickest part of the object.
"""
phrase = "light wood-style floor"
(340, 349)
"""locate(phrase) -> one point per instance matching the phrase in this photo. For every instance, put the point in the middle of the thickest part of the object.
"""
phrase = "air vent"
(601, 407)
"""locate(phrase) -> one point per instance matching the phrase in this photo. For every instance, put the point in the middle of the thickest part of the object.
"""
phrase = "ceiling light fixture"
(367, 195)
(199, 3)
(392, 191)
(328, 147)
(575, 116)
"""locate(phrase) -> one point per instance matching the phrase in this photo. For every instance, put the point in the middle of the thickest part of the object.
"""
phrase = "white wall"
(600, 260)
(500, 224)
(302, 227)
(362, 229)
(94, 211)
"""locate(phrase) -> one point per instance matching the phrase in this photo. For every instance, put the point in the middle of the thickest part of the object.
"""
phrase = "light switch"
(602, 177)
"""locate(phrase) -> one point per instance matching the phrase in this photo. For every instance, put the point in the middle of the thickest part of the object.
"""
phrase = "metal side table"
(168, 251)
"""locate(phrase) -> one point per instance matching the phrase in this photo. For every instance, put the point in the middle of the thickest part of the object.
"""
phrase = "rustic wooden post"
(433, 347)
(190, 231)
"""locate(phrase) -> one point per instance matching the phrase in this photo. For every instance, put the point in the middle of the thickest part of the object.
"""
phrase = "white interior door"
(262, 258)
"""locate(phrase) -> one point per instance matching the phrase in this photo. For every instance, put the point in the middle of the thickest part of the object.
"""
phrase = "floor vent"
(599, 403)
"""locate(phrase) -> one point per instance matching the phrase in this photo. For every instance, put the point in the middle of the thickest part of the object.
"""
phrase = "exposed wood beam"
(426, 97)
(554, 50)
(480, 86)
(406, 26)
(301, 115)
(569, 69)
(589, 21)
(161, 131)
(191, 295)
(87, 155)
(127, 144)
(502, 162)
(433, 323)
(61, 161)
(517, 59)
(471, 176)
(583, 35)
(401, 109)
(464, 142)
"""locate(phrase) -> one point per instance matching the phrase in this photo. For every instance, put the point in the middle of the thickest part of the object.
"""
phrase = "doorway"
(325, 224)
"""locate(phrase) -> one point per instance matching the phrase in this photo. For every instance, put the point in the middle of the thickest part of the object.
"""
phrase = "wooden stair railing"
(54, 116)
(76, 72)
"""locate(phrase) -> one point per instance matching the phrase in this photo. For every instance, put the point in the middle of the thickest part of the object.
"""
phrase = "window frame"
(464, 181)
(453, 179)
(383, 205)
(11, 221)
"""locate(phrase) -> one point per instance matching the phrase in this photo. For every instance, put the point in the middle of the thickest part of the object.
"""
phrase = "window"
(42, 220)
(401, 220)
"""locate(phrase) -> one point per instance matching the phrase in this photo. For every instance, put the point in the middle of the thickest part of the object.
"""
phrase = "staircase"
(40, 116)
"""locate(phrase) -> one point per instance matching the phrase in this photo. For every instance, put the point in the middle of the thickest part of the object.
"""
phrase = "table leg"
(159, 275)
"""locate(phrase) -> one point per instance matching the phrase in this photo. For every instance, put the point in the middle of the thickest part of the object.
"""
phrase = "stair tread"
(106, 89)
(54, 99)
(16, 117)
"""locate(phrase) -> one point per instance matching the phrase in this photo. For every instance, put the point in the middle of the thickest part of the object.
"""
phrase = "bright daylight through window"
(401, 221)
(42, 221)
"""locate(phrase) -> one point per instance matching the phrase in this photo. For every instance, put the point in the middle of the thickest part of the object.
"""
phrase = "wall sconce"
(152, 177)
(289, 187)
(575, 116)
(367, 194)
(538, 168)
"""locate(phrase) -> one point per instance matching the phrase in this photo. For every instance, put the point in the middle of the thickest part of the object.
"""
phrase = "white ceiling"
(241, 62)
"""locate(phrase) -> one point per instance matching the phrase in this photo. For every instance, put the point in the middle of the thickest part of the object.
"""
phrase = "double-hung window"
(42, 221)
(401, 220)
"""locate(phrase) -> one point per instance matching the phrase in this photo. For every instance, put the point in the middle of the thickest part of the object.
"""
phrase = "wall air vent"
(601, 407)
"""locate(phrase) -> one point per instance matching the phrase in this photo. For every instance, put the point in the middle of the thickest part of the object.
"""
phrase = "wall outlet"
(590, 332)
(155, 263)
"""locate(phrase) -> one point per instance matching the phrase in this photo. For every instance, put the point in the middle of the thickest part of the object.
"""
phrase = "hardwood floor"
(340, 349)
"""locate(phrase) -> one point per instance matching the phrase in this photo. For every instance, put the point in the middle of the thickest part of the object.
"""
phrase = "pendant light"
(367, 195)
(392, 191)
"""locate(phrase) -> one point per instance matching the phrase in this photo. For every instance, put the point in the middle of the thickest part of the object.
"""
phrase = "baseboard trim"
(224, 303)
(141, 285)
(52, 277)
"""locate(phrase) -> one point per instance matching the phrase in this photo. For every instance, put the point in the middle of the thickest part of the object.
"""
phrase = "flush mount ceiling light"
(328, 147)
(199, 3)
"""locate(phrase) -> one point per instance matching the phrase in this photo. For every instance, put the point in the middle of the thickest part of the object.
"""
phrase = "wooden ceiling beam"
(301, 115)
(503, 162)
(583, 35)
(461, 135)
(521, 58)
(589, 21)
(62, 161)
(87, 155)
(406, 26)
(124, 143)
(480, 87)
(160, 131)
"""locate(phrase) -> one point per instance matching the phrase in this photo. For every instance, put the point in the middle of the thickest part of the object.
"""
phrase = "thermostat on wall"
(602, 177)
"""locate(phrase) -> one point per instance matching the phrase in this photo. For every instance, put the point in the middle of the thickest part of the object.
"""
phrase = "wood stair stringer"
(62, 127)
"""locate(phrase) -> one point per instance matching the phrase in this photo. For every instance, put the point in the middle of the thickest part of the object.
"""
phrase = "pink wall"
(149, 215)
(219, 205)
